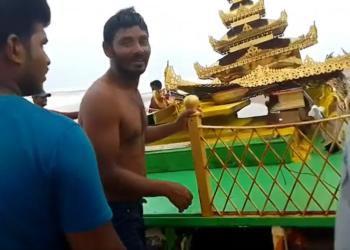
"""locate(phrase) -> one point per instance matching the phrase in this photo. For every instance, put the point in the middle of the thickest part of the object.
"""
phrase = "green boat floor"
(180, 159)
(161, 207)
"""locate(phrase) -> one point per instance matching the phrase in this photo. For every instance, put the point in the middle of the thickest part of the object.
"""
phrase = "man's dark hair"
(124, 19)
(156, 83)
(18, 17)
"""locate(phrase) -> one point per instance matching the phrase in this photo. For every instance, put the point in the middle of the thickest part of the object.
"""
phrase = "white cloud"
(179, 33)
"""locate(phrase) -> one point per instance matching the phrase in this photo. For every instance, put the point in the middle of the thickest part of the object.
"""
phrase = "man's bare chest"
(133, 120)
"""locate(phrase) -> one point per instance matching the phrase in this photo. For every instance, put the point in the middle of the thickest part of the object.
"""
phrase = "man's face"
(130, 51)
(40, 101)
(155, 88)
(30, 61)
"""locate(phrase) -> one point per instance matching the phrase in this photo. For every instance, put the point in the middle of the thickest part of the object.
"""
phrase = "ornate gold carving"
(172, 81)
(216, 81)
(249, 34)
(264, 76)
(241, 13)
(339, 87)
(247, 27)
(303, 42)
(308, 61)
(252, 51)
(234, 1)
(283, 16)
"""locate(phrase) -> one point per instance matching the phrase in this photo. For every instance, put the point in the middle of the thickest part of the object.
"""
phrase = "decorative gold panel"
(248, 34)
(264, 76)
(254, 54)
(241, 13)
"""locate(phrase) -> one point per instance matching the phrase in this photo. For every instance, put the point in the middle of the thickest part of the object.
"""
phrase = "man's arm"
(156, 133)
(153, 104)
(84, 213)
(101, 124)
(71, 115)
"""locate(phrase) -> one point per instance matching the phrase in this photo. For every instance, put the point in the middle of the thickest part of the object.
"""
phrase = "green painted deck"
(177, 166)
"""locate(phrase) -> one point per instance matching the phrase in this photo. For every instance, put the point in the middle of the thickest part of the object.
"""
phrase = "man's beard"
(27, 82)
(129, 74)
(28, 86)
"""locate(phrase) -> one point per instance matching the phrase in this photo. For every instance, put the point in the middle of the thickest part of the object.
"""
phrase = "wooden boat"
(279, 170)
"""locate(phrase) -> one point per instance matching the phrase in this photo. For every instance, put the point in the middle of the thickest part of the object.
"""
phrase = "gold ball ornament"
(191, 102)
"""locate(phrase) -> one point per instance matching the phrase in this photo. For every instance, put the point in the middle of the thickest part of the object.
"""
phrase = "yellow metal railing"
(309, 184)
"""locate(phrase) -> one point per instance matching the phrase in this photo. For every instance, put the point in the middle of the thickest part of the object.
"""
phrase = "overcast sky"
(179, 33)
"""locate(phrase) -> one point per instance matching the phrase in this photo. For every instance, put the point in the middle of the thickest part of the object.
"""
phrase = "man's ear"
(14, 50)
(108, 49)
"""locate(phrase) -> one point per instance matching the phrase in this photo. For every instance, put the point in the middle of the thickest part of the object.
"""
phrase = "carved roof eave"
(254, 54)
(172, 81)
(241, 13)
(234, 1)
(222, 46)
(175, 82)
(262, 76)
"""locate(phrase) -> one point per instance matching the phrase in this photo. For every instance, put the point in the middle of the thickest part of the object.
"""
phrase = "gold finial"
(283, 16)
(212, 42)
(192, 102)
(313, 31)
(345, 53)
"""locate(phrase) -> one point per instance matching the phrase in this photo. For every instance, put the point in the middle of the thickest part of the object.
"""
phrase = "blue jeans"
(128, 223)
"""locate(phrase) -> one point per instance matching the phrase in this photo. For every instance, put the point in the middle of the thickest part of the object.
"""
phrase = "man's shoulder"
(101, 97)
(50, 122)
(103, 88)
(29, 112)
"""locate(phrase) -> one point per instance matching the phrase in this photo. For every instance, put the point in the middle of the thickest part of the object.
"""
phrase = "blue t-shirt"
(49, 180)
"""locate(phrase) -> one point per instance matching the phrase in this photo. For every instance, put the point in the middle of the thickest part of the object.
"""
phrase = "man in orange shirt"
(41, 101)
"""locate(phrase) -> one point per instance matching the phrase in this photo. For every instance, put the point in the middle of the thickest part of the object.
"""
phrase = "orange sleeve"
(153, 104)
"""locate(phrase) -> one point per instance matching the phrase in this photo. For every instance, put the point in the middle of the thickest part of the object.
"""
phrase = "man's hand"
(182, 120)
(180, 196)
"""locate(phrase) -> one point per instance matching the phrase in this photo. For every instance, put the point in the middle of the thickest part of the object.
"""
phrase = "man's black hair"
(156, 83)
(124, 19)
(18, 17)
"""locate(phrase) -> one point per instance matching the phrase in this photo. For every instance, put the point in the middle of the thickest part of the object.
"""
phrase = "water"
(66, 101)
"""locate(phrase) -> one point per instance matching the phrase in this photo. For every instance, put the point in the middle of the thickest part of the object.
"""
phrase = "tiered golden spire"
(254, 36)
(253, 41)
(255, 54)
(243, 14)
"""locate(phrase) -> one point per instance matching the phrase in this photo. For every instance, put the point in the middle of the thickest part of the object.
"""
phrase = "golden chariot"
(280, 169)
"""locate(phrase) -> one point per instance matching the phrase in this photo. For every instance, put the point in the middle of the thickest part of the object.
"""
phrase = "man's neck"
(123, 80)
(7, 89)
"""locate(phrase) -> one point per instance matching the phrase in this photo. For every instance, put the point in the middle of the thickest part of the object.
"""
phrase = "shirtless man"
(113, 116)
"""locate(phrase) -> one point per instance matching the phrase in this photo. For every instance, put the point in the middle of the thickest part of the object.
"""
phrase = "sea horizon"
(69, 100)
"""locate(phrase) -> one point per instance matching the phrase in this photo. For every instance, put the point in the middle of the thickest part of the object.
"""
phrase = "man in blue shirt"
(50, 191)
